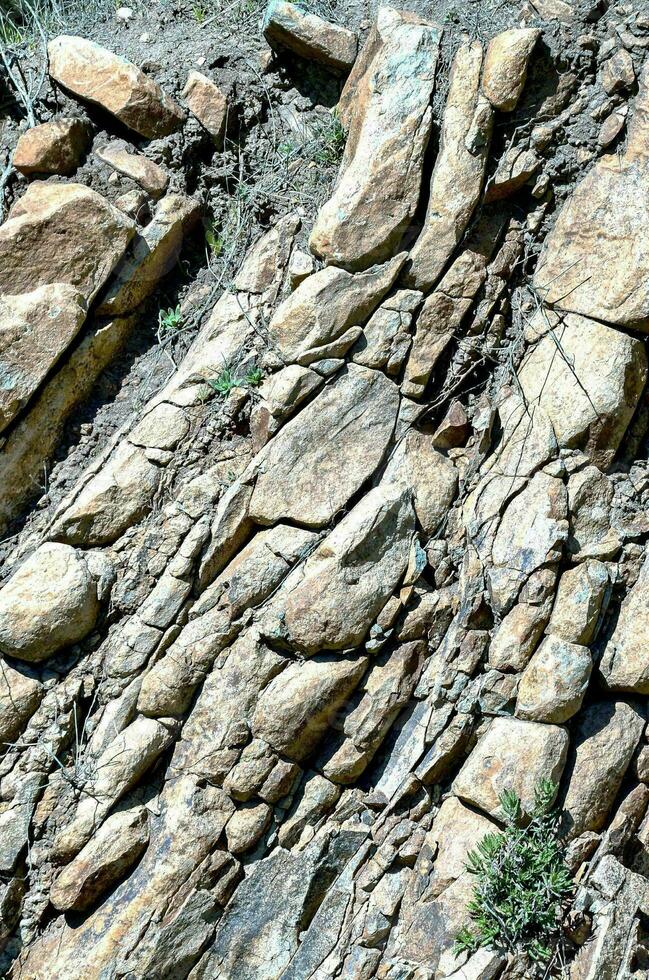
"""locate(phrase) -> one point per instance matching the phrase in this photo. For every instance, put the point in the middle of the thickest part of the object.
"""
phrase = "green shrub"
(522, 883)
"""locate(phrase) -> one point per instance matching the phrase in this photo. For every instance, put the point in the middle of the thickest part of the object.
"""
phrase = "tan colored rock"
(51, 148)
(295, 710)
(505, 67)
(119, 495)
(153, 254)
(35, 438)
(625, 663)
(432, 477)
(61, 233)
(317, 797)
(152, 178)
(110, 854)
(606, 736)
(578, 603)
(319, 459)
(387, 337)
(300, 266)
(596, 258)
(512, 755)
(554, 682)
(288, 26)
(117, 770)
(50, 602)
(458, 174)
(20, 695)
(325, 306)
(331, 601)
(262, 271)
(35, 330)
(515, 167)
(590, 502)
(246, 826)
(517, 636)
(587, 378)
(530, 535)
(454, 429)
(98, 76)
(385, 108)
(208, 103)
(618, 72)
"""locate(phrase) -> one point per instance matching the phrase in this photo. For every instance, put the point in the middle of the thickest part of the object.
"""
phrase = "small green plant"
(169, 321)
(522, 883)
(199, 12)
(227, 380)
(330, 143)
(213, 239)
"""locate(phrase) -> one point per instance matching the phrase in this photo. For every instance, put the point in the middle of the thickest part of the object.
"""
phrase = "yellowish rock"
(505, 68)
(51, 148)
(208, 103)
(152, 178)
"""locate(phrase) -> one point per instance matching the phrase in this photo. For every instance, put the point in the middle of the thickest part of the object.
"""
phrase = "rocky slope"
(374, 552)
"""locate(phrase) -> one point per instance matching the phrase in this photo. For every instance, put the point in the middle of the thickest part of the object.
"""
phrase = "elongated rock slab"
(287, 26)
(385, 108)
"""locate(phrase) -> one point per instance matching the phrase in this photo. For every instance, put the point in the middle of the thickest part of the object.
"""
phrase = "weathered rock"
(618, 72)
(331, 601)
(386, 337)
(325, 306)
(312, 467)
(263, 266)
(516, 638)
(417, 465)
(609, 282)
(61, 233)
(578, 603)
(385, 108)
(152, 178)
(454, 429)
(554, 682)
(287, 26)
(514, 169)
(590, 501)
(294, 711)
(114, 849)
(35, 329)
(458, 174)
(625, 663)
(154, 252)
(116, 771)
(208, 103)
(530, 535)
(96, 75)
(317, 797)
(50, 602)
(512, 755)
(116, 497)
(51, 148)
(505, 67)
(587, 378)
(20, 695)
(606, 737)
(246, 826)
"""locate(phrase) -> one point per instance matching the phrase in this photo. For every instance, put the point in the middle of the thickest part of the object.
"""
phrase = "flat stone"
(331, 601)
(288, 27)
(208, 103)
(324, 308)
(20, 695)
(152, 178)
(587, 378)
(61, 233)
(110, 854)
(35, 330)
(50, 602)
(51, 148)
(596, 258)
(385, 109)
(590, 503)
(318, 460)
(458, 174)
(554, 683)
(625, 662)
(512, 755)
(96, 75)
(505, 67)
(431, 476)
(606, 736)
(576, 611)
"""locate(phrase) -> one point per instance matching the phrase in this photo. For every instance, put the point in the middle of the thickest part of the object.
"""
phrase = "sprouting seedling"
(227, 380)
(169, 321)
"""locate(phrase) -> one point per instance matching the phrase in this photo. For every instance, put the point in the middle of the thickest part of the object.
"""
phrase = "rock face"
(61, 233)
(35, 329)
(286, 26)
(625, 664)
(51, 148)
(53, 600)
(554, 682)
(505, 67)
(388, 130)
(609, 282)
(96, 75)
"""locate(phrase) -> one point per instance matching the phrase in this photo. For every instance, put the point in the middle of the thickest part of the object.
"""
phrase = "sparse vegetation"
(227, 380)
(169, 321)
(522, 882)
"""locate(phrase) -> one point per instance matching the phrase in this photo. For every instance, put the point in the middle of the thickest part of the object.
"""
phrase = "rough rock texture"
(625, 663)
(96, 75)
(208, 103)
(51, 148)
(286, 26)
(391, 85)
(505, 67)
(146, 173)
